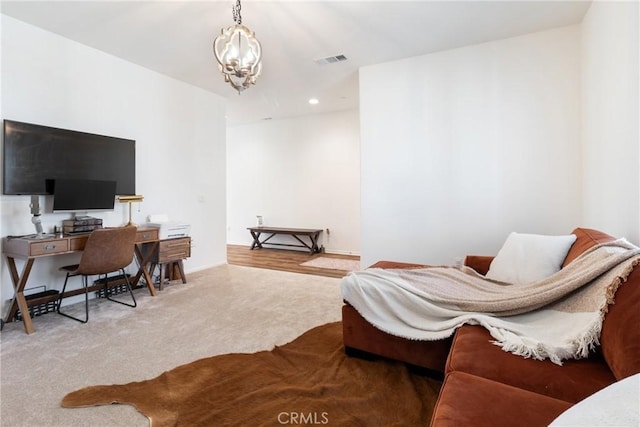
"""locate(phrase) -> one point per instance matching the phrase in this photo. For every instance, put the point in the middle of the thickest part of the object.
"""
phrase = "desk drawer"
(49, 247)
(146, 235)
(174, 249)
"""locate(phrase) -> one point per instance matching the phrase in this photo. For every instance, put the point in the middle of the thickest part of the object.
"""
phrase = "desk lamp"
(130, 200)
(35, 219)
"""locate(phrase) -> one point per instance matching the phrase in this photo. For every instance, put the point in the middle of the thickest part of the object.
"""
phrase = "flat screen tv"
(71, 195)
(34, 154)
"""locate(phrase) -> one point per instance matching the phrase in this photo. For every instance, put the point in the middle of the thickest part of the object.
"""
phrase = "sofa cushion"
(585, 239)
(620, 337)
(480, 263)
(472, 352)
(528, 258)
(358, 334)
(468, 400)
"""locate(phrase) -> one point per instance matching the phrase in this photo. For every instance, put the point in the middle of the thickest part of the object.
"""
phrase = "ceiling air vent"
(330, 59)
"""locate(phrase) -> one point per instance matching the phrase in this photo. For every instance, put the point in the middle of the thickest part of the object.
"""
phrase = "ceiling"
(175, 38)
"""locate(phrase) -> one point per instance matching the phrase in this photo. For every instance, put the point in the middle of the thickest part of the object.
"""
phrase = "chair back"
(107, 250)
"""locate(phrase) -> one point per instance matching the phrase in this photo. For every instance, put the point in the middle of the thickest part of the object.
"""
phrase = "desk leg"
(19, 301)
(143, 271)
(181, 270)
(175, 270)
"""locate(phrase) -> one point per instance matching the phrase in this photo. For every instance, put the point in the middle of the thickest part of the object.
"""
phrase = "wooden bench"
(296, 233)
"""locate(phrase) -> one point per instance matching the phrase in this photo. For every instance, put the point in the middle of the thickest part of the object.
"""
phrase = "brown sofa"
(484, 385)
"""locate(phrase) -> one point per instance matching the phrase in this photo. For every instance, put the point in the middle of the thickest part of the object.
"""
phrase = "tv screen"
(34, 154)
(83, 195)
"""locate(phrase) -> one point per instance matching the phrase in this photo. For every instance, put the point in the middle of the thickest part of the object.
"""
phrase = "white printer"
(169, 229)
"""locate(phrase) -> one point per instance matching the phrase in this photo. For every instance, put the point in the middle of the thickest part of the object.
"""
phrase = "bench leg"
(256, 240)
(314, 243)
(304, 244)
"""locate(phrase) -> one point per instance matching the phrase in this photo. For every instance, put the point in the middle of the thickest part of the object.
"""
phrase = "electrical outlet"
(457, 263)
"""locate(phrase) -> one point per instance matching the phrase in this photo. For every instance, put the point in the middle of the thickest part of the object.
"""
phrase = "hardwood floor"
(279, 259)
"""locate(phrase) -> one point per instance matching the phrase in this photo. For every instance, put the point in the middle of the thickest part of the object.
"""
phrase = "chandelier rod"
(237, 18)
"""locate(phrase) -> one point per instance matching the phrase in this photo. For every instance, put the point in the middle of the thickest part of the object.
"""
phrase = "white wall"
(300, 172)
(611, 155)
(461, 147)
(179, 132)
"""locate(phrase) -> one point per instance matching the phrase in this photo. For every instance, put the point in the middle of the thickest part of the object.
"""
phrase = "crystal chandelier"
(238, 53)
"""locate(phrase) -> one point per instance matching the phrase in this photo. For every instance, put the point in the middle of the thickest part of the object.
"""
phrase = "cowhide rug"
(307, 381)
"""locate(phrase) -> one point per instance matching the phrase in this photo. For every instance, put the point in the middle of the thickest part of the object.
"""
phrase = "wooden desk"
(312, 233)
(31, 249)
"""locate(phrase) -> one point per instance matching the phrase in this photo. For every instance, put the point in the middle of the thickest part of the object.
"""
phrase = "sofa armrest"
(479, 263)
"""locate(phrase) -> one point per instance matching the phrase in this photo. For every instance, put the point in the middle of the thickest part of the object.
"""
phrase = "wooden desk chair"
(107, 250)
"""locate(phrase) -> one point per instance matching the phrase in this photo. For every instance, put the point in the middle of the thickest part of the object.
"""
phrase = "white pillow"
(527, 258)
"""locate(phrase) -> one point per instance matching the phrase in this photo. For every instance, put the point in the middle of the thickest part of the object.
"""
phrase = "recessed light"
(314, 101)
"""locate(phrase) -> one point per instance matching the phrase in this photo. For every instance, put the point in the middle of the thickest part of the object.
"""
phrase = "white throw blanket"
(559, 317)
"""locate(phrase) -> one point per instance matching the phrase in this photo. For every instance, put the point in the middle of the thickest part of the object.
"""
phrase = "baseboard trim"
(205, 267)
(339, 252)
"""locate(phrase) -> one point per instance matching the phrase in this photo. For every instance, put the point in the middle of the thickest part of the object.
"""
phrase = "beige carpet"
(333, 263)
(228, 309)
